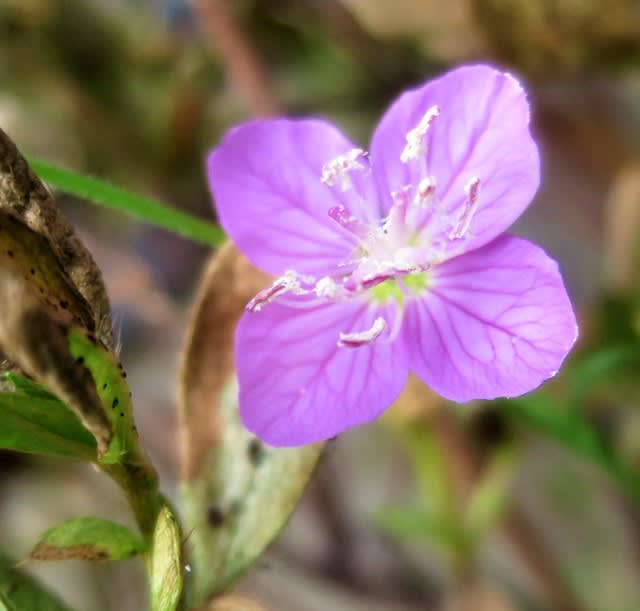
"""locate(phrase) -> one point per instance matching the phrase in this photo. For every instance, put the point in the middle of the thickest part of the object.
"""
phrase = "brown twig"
(240, 61)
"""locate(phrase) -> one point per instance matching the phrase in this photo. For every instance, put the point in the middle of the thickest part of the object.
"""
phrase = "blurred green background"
(531, 505)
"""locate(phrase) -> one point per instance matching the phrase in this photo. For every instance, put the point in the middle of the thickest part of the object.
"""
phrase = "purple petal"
(496, 323)
(482, 132)
(265, 177)
(298, 387)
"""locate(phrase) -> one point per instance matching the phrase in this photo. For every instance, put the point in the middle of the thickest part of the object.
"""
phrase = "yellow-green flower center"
(414, 285)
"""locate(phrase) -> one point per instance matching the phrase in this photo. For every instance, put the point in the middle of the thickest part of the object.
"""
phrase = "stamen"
(363, 338)
(426, 192)
(416, 145)
(472, 189)
(337, 170)
(355, 284)
(326, 287)
(401, 196)
(395, 223)
(397, 325)
(289, 282)
(405, 262)
(344, 218)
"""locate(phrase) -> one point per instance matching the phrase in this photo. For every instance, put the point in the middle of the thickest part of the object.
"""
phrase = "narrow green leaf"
(5, 605)
(92, 539)
(166, 564)
(489, 496)
(412, 523)
(433, 479)
(614, 365)
(19, 592)
(41, 425)
(569, 427)
(143, 208)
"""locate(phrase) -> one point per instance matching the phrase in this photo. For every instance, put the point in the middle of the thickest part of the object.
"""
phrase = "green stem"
(139, 483)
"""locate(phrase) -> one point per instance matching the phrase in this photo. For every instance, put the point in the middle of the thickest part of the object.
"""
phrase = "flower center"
(391, 260)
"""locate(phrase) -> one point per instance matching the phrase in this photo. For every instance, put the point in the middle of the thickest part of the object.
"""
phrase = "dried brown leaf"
(237, 493)
(25, 199)
(228, 284)
(48, 284)
(35, 337)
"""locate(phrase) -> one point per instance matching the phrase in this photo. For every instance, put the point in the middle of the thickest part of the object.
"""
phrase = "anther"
(363, 338)
(356, 283)
(289, 282)
(344, 218)
(326, 287)
(425, 192)
(472, 189)
(337, 170)
(401, 196)
(416, 145)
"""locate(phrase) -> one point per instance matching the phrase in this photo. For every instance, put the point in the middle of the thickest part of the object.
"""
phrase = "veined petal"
(481, 133)
(265, 177)
(496, 322)
(297, 386)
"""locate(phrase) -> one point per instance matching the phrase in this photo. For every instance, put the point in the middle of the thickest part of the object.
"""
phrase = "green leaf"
(166, 564)
(28, 387)
(42, 425)
(241, 501)
(614, 365)
(92, 539)
(18, 592)
(433, 480)
(238, 493)
(143, 208)
(412, 523)
(489, 497)
(113, 393)
(569, 428)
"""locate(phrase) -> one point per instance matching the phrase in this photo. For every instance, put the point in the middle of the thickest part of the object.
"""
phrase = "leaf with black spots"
(238, 493)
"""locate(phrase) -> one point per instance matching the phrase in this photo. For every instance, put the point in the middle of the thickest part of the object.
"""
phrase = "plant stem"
(139, 483)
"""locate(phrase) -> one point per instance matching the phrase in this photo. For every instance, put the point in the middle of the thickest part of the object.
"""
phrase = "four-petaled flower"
(390, 261)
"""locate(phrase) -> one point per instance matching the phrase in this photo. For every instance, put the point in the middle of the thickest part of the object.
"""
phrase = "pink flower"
(392, 261)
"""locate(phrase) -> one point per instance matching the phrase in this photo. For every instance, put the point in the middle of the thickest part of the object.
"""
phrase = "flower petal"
(265, 177)
(297, 386)
(497, 322)
(482, 131)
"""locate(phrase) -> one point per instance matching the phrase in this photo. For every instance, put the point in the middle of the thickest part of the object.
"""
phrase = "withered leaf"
(35, 337)
(238, 493)
(24, 198)
(49, 286)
